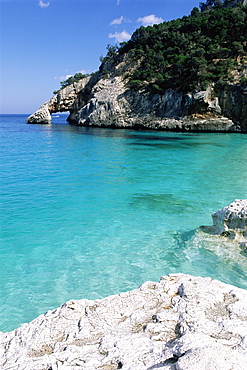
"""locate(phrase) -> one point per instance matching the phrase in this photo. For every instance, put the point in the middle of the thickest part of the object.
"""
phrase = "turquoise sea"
(89, 212)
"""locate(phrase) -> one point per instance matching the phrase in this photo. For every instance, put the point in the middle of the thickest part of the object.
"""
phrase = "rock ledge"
(182, 322)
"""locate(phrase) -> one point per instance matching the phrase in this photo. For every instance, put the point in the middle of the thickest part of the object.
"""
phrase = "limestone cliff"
(106, 101)
(179, 75)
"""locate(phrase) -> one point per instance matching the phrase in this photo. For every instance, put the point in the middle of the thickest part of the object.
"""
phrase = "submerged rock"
(182, 322)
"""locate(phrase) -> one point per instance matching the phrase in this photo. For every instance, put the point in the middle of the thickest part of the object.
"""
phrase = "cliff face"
(233, 103)
(68, 99)
(107, 102)
(106, 99)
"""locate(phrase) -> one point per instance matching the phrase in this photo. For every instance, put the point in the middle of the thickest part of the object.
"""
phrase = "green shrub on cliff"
(70, 80)
(189, 53)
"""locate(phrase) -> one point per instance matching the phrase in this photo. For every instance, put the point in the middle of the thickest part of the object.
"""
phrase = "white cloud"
(118, 2)
(149, 20)
(64, 78)
(117, 21)
(83, 71)
(120, 36)
(42, 4)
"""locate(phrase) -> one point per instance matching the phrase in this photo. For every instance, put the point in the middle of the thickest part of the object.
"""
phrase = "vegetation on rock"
(70, 80)
(186, 54)
(189, 53)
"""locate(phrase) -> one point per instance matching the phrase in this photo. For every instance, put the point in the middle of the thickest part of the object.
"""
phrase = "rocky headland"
(108, 102)
(182, 322)
(188, 74)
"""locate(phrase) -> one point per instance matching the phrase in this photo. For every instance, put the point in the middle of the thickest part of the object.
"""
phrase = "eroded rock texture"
(104, 99)
(231, 221)
(182, 322)
(42, 115)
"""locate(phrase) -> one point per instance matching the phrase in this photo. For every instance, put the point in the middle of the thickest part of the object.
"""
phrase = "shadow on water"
(145, 138)
(127, 134)
(138, 138)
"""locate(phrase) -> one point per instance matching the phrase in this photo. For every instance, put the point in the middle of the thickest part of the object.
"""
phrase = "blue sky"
(44, 41)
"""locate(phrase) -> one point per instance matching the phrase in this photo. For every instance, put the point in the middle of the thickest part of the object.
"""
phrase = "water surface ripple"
(89, 212)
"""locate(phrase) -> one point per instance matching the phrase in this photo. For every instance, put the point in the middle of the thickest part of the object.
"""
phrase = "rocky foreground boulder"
(182, 322)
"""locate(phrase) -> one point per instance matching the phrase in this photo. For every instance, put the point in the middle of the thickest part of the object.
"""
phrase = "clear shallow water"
(88, 212)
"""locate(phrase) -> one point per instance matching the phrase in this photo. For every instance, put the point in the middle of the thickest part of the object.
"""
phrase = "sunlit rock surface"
(103, 99)
(41, 116)
(231, 221)
(182, 322)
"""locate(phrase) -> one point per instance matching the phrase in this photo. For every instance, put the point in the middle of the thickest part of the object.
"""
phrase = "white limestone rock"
(182, 322)
(112, 104)
(232, 217)
(231, 222)
(97, 100)
(70, 98)
(42, 115)
(106, 106)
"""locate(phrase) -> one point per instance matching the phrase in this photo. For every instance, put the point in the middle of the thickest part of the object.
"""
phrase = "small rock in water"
(231, 222)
